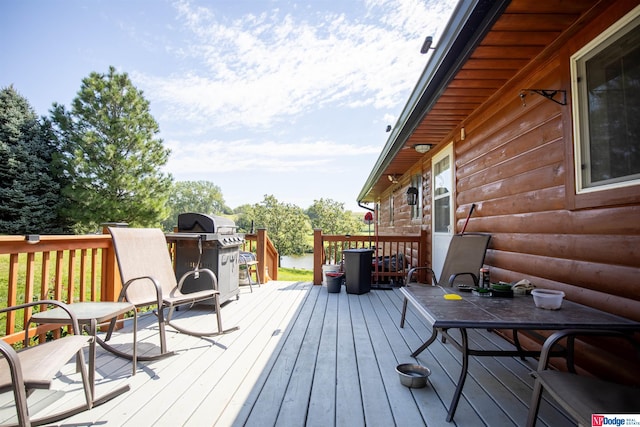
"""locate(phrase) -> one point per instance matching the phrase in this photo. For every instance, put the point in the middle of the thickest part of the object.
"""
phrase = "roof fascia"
(469, 23)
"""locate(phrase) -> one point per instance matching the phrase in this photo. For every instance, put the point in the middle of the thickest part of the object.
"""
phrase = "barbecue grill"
(213, 242)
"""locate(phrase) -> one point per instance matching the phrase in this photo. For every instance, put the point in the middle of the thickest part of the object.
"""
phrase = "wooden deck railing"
(77, 268)
(64, 268)
(392, 255)
(266, 254)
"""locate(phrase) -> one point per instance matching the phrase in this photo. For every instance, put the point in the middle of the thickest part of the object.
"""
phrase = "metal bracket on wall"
(547, 93)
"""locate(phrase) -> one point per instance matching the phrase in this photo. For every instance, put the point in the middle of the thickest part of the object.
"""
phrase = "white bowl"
(547, 298)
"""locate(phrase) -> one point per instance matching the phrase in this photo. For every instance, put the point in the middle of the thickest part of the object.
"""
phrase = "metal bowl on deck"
(412, 375)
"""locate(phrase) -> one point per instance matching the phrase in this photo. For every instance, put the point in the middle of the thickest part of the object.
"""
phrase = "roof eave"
(469, 23)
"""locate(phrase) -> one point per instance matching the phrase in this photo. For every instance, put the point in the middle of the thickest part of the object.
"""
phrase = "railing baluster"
(83, 273)
(71, 276)
(57, 290)
(94, 274)
(13, 290)
(28, 286)
(44, 284)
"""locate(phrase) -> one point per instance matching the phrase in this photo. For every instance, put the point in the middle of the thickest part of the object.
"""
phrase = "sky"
(261, 97)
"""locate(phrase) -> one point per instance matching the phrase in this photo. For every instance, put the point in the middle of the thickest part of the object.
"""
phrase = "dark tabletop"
(518, 312)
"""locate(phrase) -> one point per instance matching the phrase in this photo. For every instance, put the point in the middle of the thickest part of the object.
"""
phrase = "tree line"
(101, 159)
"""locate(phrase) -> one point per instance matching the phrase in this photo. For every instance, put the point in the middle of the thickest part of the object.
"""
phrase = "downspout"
(365, 207)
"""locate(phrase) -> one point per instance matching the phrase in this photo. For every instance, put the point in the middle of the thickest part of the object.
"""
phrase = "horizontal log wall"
(516, 165)
(513, 165)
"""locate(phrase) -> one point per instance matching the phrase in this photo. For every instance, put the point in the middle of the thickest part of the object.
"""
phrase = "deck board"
(322, 408)
(303, 356)
(348, 399)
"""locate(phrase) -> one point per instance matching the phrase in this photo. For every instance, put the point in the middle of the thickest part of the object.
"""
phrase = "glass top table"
(92, 314)
(468, 311)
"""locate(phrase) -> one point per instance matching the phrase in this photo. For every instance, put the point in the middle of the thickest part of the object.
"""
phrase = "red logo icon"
(597, 420)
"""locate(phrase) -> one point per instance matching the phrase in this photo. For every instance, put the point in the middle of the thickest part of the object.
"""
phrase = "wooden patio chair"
(579, 395)
(34, 367)
(148, 279)
(465, 257)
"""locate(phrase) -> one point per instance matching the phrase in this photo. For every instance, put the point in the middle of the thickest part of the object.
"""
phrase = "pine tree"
(111, 156)
(29, 191)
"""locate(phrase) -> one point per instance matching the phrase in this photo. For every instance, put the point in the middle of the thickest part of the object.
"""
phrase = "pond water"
(302, 262)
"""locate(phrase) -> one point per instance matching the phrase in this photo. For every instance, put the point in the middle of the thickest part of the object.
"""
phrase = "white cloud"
(262, 69)
(216, 156)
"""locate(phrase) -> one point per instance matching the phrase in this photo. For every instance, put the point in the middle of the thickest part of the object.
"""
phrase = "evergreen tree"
(111, 156)
(29, 191)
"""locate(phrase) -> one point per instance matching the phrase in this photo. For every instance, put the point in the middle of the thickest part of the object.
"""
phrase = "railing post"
(423, 260)
(318, 252)
(261, 253)
(111, 284)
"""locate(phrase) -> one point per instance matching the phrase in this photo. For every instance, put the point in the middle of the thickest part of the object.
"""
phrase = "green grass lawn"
(51, 284)
(295, 275)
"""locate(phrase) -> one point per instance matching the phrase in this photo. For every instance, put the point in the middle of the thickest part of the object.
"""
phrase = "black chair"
(465, 258)
(579, 395)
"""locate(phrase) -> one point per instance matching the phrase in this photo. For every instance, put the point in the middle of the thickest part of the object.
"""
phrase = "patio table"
(92, 314)
(516, 313)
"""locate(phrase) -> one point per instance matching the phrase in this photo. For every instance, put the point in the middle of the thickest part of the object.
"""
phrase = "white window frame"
(580, 97)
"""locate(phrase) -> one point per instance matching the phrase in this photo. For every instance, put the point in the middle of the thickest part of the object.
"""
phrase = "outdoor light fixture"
(412, 196)
(32, 239)
(427, 45)
(392, 178)
(422, 148)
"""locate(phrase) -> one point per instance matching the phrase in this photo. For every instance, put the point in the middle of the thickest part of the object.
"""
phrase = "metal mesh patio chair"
(465, 257)
(34, 367)
(148, 279)
(581, 396)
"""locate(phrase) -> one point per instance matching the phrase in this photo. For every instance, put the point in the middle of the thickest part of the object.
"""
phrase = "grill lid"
(198, 222)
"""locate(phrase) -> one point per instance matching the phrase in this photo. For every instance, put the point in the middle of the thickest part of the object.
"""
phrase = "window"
(606, 93)
(416, 210)
(391, 207)
(442, 190)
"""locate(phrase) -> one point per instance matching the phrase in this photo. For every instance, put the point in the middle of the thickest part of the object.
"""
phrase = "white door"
(442, 207)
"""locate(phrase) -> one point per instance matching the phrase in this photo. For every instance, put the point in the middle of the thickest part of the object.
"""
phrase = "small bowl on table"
(413, 375)
(547, 298)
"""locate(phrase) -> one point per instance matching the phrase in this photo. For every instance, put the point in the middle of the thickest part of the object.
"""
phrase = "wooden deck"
(302, 357)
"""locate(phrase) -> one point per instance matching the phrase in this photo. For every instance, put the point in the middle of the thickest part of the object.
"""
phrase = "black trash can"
(357, 266)
(334, 282)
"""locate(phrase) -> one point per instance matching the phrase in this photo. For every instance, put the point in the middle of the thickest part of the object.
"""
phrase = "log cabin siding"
(516, 164)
